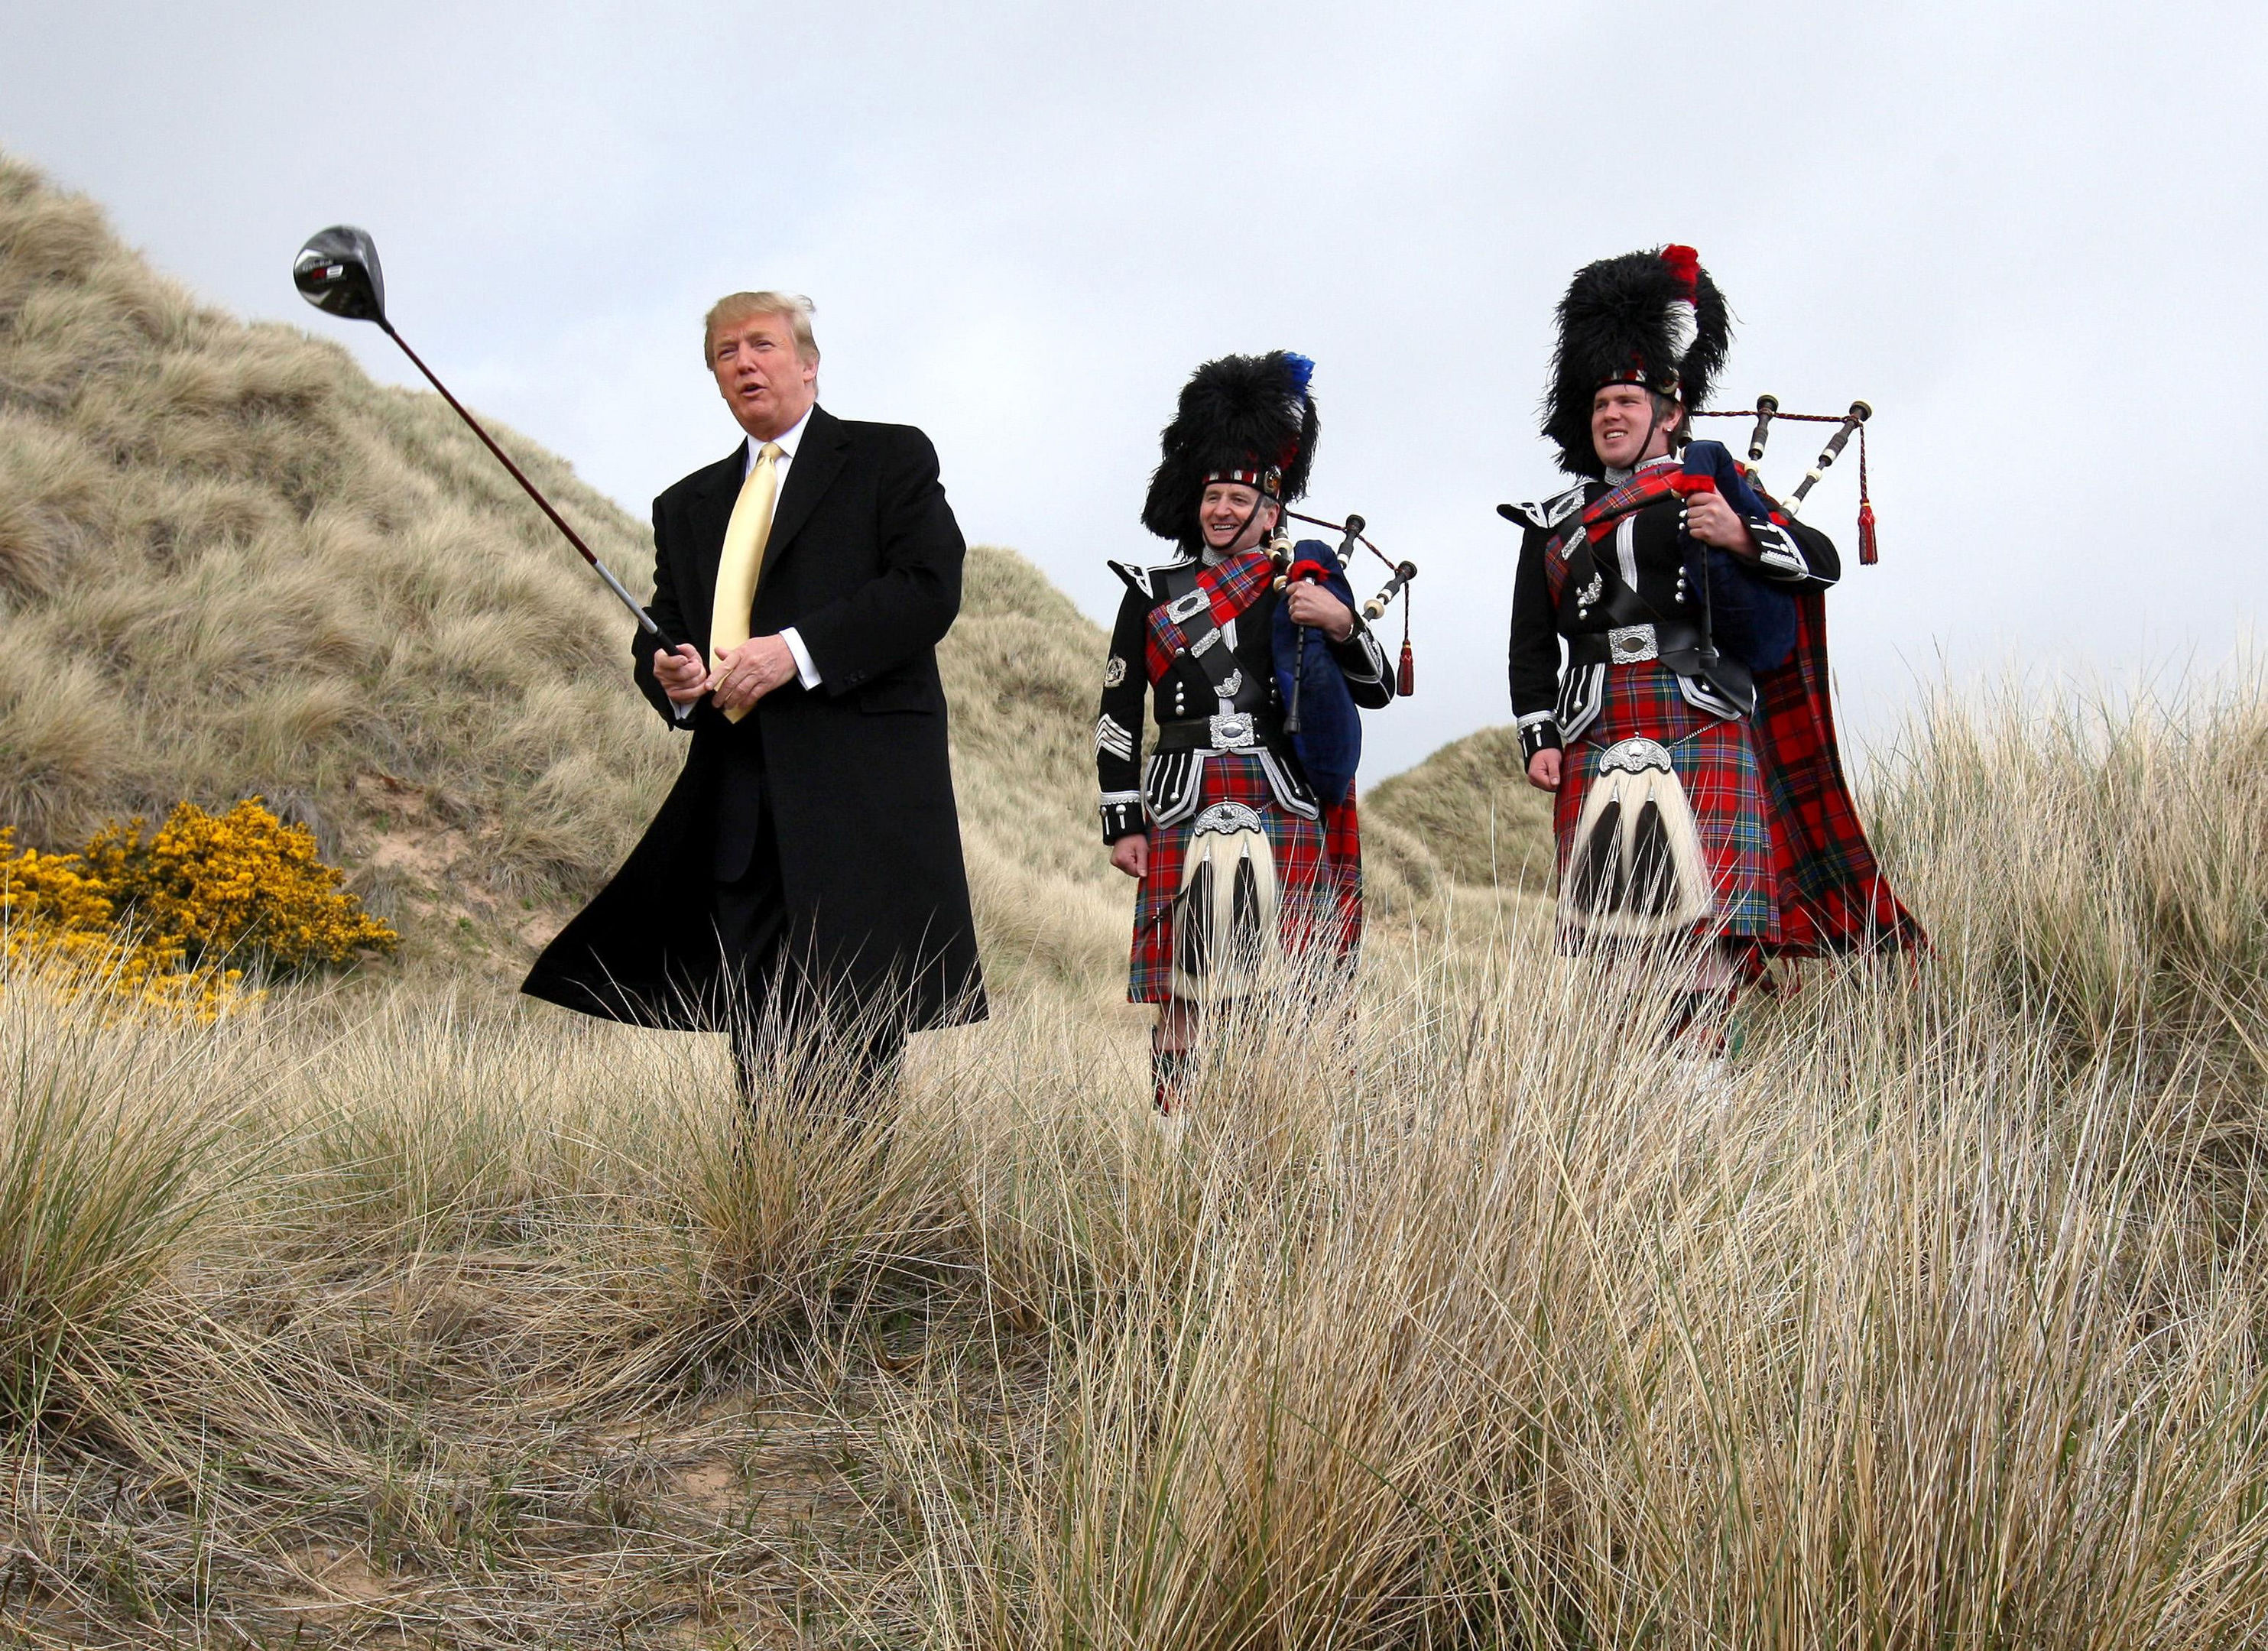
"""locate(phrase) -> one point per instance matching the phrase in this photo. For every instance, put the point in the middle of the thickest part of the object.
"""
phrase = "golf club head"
(337, 271)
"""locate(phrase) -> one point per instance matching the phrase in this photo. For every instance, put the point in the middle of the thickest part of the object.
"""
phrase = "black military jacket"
(1636, 573)
(1187, 693)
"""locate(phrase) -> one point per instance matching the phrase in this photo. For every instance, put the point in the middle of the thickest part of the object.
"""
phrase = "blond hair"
(735, 307)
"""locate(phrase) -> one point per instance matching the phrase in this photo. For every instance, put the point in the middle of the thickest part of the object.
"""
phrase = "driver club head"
(337, 271)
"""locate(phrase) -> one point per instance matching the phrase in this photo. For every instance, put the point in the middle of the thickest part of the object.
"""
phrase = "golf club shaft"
(646, 620)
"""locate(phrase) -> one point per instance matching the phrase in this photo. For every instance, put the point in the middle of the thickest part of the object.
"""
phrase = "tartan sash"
(1599, 517)
(1228, 590)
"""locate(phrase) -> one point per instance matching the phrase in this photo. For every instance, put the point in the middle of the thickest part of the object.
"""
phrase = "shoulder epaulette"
(1141, 580)
(1550, 514)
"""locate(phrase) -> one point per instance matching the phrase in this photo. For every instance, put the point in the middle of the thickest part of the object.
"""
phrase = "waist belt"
(1634, 644)
(1230, 730)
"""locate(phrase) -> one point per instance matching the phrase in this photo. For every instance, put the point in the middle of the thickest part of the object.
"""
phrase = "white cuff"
(683, 712)
(803, 668)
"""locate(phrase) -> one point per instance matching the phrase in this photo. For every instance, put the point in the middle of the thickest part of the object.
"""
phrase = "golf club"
(337, 271)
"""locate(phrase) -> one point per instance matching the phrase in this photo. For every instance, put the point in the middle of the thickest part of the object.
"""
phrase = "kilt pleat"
(1716, 763)
(1318, 874)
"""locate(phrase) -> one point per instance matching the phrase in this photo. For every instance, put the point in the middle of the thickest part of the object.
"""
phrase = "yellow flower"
(173, 917)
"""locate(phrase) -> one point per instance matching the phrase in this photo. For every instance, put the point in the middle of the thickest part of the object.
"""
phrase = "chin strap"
(1242, 528)
(1653, 429)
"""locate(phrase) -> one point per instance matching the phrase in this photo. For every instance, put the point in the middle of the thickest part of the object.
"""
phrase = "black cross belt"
(1207, 649)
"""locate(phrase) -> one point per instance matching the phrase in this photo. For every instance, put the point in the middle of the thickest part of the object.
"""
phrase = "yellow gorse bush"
(179, 915)
(242, 885)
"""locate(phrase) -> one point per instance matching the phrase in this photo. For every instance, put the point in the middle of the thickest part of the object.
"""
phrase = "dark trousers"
(848, 1060)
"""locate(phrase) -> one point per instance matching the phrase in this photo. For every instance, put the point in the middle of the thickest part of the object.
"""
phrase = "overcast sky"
(2032, 236)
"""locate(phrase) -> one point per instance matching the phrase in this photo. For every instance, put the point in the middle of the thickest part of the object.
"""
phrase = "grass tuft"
(109, 1124)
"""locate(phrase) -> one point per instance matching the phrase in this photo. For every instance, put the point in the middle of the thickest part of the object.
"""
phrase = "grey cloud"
(2025, 234)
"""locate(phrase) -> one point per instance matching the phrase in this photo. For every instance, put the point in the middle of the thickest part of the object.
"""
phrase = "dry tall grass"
(2113, 883)
(1460, 1320)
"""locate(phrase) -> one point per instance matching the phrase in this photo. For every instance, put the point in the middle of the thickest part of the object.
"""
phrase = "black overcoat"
(864, 561)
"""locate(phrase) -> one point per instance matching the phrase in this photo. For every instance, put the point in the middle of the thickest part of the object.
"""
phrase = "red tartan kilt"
(1716, 763)
(1318, 874)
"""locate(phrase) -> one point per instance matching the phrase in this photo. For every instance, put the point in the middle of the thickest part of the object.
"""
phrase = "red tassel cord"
(1867, 554)
(1405, 680)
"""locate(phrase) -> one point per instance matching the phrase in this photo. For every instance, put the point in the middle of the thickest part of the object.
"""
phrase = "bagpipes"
(1289, 570)
(1767, 410)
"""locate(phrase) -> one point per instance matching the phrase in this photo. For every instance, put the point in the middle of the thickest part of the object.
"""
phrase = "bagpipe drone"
(1290, 568)
(1767, 412)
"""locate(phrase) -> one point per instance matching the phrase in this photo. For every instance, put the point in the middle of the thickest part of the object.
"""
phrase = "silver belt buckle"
(1232, 730)
(1632, 645)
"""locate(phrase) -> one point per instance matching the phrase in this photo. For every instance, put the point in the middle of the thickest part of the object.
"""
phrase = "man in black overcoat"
(807, 861)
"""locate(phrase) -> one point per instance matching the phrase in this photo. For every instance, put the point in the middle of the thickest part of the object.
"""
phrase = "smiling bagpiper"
(1688, 733)
(1240, 831)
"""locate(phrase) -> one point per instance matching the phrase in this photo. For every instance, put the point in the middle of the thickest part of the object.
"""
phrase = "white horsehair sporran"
(1224, 915)
(1635, 871)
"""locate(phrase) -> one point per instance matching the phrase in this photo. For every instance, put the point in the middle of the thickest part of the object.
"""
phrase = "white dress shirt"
(787, 440)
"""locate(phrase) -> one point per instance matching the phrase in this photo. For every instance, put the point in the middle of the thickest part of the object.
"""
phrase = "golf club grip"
(646, 621)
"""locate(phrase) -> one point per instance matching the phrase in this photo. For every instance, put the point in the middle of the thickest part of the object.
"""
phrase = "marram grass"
(1455, 1314)
(1453, 1317)
(111, 1128)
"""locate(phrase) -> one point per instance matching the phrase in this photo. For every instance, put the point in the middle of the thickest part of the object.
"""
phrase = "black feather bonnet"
(1241, 418)
(1649, 318)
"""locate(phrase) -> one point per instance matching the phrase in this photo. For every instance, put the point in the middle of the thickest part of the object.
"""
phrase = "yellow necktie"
(742, 560)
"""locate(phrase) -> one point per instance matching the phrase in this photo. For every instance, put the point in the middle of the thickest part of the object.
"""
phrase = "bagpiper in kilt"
(1687, 732)
(1241, 830)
